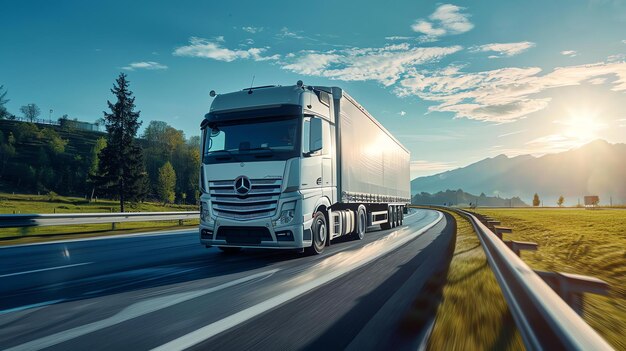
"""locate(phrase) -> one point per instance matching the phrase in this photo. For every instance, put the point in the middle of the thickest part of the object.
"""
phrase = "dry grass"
(473, 314)
(589, 242)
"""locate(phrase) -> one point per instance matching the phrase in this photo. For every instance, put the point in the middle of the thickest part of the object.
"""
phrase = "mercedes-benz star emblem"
(242, 185)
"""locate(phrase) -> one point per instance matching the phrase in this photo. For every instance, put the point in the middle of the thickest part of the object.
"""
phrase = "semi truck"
(294, 167)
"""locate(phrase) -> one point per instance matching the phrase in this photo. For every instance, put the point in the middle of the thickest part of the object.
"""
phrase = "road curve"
(167, 292)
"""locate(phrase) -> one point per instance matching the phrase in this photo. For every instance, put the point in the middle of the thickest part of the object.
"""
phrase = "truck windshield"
(250, 140)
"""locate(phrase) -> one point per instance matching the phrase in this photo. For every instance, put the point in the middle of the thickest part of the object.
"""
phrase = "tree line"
(160, 165)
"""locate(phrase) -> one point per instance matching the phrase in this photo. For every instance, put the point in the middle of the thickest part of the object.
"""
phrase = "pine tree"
(121, 168)
(536, 201)
(3, 100)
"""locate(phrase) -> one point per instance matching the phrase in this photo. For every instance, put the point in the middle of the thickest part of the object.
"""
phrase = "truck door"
(327, 163)
(312, 145)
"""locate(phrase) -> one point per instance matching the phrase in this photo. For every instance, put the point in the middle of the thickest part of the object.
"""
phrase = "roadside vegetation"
(589, 242)
(473, 314)
(24, 204)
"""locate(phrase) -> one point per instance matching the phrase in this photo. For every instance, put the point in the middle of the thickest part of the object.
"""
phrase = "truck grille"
(260, 201)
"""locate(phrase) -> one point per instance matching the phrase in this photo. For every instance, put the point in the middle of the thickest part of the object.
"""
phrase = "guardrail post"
(518, 246)
(571, 287)
(498, 231)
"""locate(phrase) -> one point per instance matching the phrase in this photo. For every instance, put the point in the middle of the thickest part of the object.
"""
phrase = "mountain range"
(461, 198)
(597, 168)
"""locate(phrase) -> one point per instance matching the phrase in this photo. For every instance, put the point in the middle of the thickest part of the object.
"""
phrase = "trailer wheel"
(229, 250)
(401, 213)
(361, 223)
(319, 231)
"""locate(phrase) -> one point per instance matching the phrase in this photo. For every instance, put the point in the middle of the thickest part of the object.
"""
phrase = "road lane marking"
(133, 311)
(195, 337)
(45, 269)
(27, 307)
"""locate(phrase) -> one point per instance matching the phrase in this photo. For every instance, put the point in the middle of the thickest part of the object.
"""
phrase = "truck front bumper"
(253, 234)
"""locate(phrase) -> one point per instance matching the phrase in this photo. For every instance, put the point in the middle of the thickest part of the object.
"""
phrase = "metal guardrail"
(544, 320)
(35, 220)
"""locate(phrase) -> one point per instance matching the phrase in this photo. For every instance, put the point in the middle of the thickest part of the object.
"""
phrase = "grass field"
(10, 204)
(589, 242)
(473, 314)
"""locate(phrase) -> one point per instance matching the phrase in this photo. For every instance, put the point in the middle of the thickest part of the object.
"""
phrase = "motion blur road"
(166, 291)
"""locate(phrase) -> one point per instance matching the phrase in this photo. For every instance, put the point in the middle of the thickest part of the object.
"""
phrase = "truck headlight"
(286, 217)
(204, 211)
(287, 214)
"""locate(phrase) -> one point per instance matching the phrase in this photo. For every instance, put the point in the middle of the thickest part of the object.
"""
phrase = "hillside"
(39, 158)
(598, 168)
(461, 198)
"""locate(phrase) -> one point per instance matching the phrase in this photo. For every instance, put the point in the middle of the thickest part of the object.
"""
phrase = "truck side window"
(316, 138)
(312, 136)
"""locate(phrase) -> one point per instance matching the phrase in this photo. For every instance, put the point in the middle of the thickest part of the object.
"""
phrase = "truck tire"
(319, 232)
(229, 250)
(361, 223)
(401, 215)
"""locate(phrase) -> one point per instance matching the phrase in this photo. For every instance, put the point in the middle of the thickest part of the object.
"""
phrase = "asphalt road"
(167, 292)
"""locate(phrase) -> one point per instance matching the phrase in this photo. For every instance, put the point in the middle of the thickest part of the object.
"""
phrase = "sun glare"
(582, 126)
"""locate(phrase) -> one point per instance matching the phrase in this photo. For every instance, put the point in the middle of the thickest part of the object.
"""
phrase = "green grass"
(40, 204)
(473, 314)
(588, 242)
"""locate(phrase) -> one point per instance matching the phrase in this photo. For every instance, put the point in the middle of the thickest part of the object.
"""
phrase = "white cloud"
(385, 65)
(149, 65)
(203, 48)
(252, 30)
(624, 41)
(597, 81)
(398, 38)
(423, 167)
(402, 113)
(504, 49)
(446, 20)
(512, 133)
(570, 53)
(501, 95)
(286, 33)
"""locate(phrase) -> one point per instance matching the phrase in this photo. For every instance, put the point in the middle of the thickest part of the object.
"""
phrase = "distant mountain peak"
(596, 168)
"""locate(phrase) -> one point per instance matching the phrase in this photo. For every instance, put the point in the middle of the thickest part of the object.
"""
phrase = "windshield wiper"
(262, 148)
(228, 155)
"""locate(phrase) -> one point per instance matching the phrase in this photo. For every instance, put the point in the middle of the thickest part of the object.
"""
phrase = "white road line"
(27, 307)
(133, 311)
(44, 269)
(208, 331)
(107, 237)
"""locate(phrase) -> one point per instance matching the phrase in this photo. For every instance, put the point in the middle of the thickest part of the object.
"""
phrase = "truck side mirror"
(315, 139)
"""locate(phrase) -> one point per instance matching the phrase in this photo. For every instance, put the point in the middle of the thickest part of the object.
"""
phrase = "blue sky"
(454, 81)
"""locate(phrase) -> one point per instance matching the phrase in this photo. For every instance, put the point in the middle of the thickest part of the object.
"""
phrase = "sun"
(582, 126)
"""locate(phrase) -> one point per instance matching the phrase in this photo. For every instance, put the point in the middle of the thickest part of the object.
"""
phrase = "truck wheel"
(401, 213)
(361, 223)
(229, 250)
(394, 217)
(319, 231)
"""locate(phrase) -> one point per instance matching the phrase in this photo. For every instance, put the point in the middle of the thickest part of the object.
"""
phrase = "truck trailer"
(294, 167)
